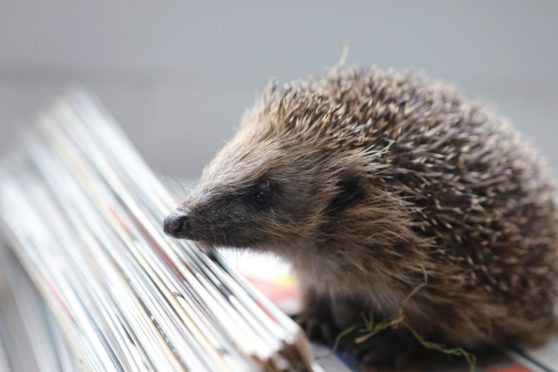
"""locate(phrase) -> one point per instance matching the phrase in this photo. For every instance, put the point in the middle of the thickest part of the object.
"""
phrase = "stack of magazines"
(82, 215)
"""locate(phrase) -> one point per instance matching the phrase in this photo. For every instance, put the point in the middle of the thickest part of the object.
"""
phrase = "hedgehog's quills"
(364, 178)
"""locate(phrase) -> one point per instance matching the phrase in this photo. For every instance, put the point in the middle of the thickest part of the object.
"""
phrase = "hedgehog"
(368, 181)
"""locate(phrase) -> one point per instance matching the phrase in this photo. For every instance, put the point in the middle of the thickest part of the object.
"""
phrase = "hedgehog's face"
(262, 192)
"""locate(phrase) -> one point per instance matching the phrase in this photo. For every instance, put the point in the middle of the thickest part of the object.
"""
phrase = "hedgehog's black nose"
(176, 224)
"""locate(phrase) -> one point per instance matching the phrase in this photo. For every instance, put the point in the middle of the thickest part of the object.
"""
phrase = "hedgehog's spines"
(473, 184)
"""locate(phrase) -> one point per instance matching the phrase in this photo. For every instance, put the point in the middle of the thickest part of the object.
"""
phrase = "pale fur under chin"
(328, 278)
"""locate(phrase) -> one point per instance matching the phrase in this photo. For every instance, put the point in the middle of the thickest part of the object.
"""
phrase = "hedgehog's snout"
(177, 224)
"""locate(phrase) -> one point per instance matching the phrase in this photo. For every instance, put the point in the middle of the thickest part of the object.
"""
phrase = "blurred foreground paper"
(82, 215)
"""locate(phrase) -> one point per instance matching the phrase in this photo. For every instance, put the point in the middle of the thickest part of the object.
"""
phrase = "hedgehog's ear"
(349, 191)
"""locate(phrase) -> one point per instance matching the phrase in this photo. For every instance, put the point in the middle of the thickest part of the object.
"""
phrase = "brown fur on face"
(372, 176)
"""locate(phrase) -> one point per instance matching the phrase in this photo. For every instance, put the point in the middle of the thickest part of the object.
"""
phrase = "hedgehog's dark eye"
(262, 197)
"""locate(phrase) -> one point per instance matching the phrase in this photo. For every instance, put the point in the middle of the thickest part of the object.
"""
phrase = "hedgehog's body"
(365, 180)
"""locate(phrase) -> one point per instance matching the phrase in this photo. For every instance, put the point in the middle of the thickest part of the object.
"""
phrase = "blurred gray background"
(178, 76)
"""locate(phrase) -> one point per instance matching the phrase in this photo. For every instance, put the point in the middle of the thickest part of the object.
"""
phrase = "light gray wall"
(178, 75)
